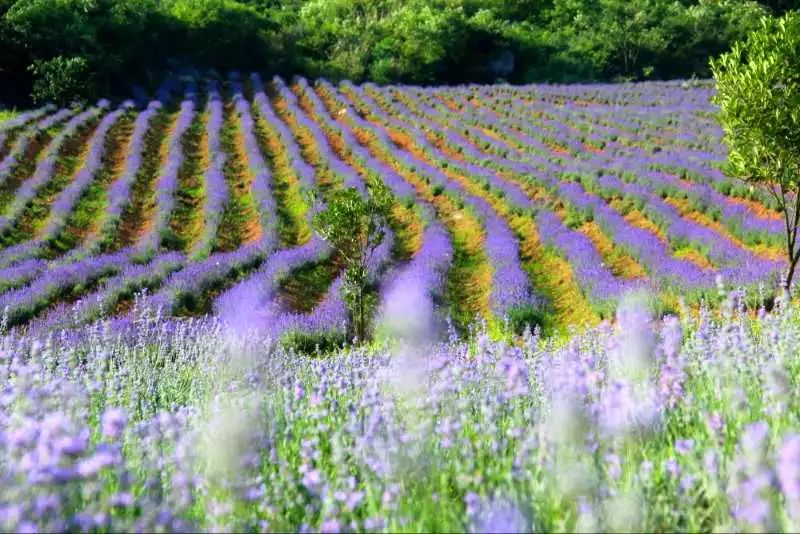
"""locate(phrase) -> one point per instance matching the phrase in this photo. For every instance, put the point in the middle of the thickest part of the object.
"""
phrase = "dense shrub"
(126, 42)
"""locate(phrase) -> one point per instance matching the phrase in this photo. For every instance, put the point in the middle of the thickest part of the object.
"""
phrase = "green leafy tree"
(354, 226)
(758, 91)
(61, 79)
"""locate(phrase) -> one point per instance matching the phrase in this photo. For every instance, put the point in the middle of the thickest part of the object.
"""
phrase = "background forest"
(59, 49)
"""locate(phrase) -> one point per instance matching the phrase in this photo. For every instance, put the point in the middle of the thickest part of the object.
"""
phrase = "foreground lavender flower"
(222, 431)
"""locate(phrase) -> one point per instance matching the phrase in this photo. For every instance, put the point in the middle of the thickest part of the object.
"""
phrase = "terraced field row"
(536, 204)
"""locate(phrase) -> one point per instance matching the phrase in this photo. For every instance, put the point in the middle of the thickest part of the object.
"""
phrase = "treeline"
(61, 49)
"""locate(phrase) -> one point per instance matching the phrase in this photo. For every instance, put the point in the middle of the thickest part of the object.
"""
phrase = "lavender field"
(553, 200)
(573, 325)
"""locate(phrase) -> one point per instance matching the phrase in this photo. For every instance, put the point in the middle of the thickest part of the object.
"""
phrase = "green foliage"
(529, 318)
(127, 42)
(313, 343)
(354, 226)
(61, 79)
(758, 91)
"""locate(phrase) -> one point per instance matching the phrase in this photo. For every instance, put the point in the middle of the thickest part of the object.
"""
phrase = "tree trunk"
(793, 259)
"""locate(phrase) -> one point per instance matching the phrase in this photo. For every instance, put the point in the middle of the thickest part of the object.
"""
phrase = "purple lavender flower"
(113, 423)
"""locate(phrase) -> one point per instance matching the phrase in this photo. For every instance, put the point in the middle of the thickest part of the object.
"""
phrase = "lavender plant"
(642, 425)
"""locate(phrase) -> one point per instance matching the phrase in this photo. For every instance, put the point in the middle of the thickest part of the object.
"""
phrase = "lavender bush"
(645, 425)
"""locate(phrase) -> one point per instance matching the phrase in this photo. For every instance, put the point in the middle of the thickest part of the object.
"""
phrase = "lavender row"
(737, 217)
(510, 285)
(302, 170)
(198, 277)
(216, 187)
(644, 246)
(410, 291)
(7, 127)
(681, 228)
(119, 194)
(252, 304)
(167, 181)
(242, 307)
(375, 167)
(21, 304)
(15, 156)
(330, 315)
(593, 277)
(64, 204)
(20, 274)
(408, 297)
(329, 159)
(24, 118)
(102, 302)
(261, 188)
(746, 267)
(47, 164)
(596, 280)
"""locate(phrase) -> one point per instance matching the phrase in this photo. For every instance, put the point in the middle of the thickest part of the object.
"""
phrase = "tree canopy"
(354, 225)
(47, 47)
(758, 91)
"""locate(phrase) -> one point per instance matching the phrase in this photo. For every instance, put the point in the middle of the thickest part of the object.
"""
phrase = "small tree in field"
(354, 226)
(758, 91)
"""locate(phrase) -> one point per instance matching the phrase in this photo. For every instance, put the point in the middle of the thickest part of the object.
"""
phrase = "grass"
(618, 261)
(7, 114)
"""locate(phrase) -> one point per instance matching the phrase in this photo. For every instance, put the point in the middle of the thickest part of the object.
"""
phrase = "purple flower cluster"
(20, 274)
(199, 276)
(242, 307)
(162, 425)
(409, 295)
